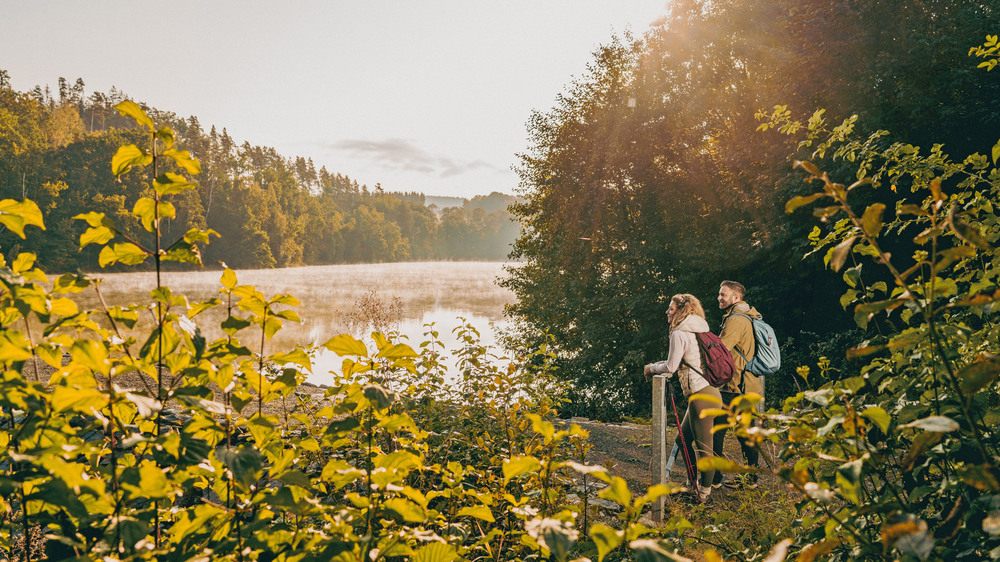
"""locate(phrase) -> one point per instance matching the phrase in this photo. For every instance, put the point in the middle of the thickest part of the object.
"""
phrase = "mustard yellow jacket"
(737, 334)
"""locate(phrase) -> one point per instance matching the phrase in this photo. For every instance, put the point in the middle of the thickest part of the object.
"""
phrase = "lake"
(438, 292)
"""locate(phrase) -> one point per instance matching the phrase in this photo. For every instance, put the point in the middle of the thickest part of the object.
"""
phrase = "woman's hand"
(647, 372)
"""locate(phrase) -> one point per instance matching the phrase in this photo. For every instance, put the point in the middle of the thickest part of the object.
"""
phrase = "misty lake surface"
(438, 292)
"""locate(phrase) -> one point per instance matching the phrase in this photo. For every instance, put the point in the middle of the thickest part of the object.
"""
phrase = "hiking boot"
(720, 481)
(703, 493)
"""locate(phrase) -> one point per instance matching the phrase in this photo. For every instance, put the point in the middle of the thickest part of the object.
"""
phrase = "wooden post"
(659, 430)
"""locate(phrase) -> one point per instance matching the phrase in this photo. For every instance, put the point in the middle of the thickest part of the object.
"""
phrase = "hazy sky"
(428, 96)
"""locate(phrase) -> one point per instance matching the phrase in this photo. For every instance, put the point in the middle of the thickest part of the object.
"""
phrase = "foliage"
(897, 458)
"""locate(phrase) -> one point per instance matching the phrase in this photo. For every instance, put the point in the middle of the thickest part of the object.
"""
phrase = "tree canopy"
(650, 175)
(271, 210)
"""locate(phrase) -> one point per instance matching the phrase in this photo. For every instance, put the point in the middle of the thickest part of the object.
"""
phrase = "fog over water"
(438, 292)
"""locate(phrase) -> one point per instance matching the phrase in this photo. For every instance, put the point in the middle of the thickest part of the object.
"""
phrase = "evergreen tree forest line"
(656, 173)
(269, 210)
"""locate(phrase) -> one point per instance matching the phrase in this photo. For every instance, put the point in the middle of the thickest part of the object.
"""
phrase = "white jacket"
(684, 345)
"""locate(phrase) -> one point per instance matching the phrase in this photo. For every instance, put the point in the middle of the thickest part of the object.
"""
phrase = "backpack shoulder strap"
(701, 353)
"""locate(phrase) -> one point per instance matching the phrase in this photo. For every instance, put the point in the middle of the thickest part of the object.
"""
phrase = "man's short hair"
(735, 286)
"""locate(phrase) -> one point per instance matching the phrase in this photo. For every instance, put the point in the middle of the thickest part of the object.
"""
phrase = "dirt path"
(627, 449)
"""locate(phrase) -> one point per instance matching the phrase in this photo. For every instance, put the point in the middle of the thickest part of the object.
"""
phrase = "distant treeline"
(270, 210)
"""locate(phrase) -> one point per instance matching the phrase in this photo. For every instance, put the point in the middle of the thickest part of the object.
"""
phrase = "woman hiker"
(686, 318)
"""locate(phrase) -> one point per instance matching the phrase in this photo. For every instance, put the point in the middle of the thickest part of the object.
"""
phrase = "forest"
(269, 210)
(657, 174)
(839, 158)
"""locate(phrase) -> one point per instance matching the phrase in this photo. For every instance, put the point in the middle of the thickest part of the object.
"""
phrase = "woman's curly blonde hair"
(687, 304)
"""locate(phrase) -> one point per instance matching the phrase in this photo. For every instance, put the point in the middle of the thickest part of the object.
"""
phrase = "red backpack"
(716, 359)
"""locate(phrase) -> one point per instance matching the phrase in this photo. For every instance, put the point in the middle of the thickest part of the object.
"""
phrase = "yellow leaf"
(16, 215)
(131, 109)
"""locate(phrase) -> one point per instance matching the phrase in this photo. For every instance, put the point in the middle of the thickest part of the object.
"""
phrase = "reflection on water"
(437, 292)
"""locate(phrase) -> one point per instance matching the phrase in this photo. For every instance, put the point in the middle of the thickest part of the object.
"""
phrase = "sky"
(420, 95)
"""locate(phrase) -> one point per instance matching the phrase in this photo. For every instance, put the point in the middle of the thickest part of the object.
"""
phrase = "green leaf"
(395, 422)
(606, 538)
(617, 491)
(166, 135)
(98, 235)
(852, 276)
(131, 109)
(847, 298)
(839, 253)
(436, 552)
(518, 465)
(864, 312)
(153, 483)
(245, 463)
(234, 324)
(400, 461)
(199, 307)
(127, 253)
(184, 160)
(542, 427)
(936, 424)
(996, 152)
(13, 347)
(228, 279)
(95, 219)
(825, 213)
(23, 262)
(171, 184)
(807, 166)
(346, 345)
(70, 283)
(872, 219)
(297, 356)
(979, 374)
(796, 202)
(183, 252)
(722, 464)
(90, 354)
(879, 416)
(16, 215)
(197, 235)
(145, 209)
(480, 512)
(128, 156)
(397, 351)
(912, 210)
(295, 478)
(849, 480)
(405, 509)
(377, 396)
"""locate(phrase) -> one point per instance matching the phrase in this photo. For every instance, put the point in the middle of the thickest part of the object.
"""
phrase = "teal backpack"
(767, 358)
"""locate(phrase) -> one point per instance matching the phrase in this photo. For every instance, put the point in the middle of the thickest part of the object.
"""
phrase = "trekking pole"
(692, 470)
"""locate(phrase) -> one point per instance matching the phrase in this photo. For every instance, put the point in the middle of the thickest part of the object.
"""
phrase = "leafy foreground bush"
(220, 457)
(900, 459)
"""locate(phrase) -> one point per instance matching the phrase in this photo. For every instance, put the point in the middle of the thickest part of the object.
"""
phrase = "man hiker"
(737, 334)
